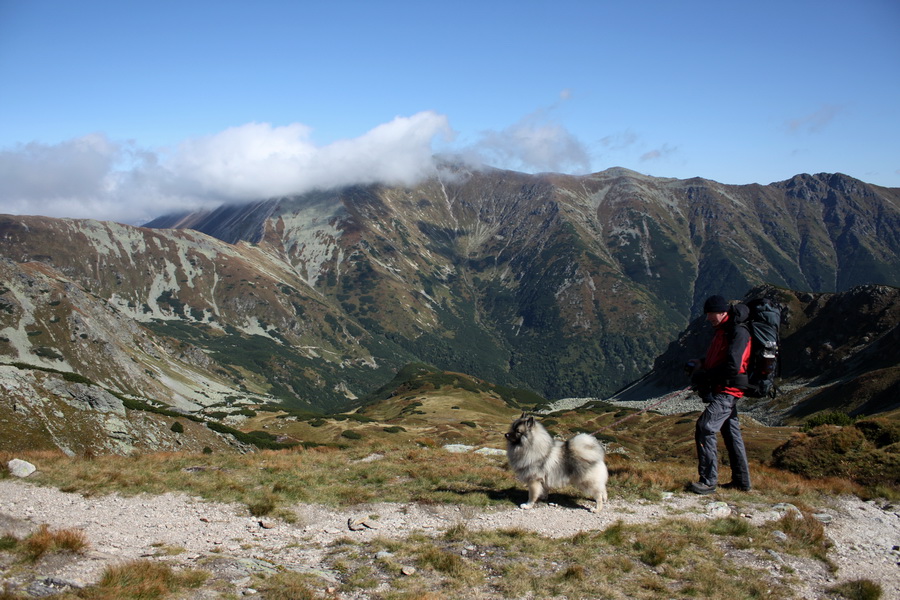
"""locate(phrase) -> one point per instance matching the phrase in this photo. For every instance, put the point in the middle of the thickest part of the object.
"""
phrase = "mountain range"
(561, 285)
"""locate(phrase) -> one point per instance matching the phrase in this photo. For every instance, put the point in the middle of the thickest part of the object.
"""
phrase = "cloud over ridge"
(95, 177)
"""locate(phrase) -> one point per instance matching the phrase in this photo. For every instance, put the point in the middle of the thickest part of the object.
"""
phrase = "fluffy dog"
(542, 463)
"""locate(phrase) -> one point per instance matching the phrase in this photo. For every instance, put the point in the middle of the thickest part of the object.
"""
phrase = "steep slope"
(176, 316)
(567, 285)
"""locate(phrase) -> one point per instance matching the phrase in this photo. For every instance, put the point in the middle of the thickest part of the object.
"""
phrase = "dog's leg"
(535, 489)
(601, 498)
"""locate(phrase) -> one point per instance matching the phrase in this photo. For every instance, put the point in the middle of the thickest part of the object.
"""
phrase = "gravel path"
(866, 536)
(671, 404)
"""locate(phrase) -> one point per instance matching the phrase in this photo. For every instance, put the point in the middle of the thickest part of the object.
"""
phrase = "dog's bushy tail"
(586, 447)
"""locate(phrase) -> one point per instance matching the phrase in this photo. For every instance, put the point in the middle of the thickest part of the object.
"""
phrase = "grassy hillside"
(392, 450)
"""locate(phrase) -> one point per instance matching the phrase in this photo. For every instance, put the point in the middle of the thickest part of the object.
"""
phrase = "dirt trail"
(865, 535)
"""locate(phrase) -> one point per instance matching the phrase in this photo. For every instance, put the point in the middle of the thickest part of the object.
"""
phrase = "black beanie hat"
(716, 304)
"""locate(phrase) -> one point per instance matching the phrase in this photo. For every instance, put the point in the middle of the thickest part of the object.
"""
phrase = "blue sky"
(124, 110)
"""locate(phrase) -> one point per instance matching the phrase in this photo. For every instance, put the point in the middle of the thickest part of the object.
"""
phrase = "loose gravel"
(865, 535)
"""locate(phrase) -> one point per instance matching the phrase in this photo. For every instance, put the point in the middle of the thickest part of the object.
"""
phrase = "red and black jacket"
(724, 369)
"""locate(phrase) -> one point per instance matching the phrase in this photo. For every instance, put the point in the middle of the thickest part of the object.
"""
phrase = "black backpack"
(763, 323)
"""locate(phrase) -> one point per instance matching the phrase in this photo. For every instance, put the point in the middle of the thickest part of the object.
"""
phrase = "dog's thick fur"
(542, 463)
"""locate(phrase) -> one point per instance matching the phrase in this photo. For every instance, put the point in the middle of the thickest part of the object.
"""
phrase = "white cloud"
(76, 167)
(95, 177)
(535, 143)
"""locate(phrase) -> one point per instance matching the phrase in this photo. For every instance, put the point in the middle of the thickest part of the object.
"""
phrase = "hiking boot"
(701, 488)
(733, 485)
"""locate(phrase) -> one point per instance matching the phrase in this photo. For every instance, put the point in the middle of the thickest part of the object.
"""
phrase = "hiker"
(719, 379)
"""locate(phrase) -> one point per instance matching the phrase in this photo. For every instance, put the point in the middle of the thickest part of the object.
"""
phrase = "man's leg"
(708, 425)
(737, 453)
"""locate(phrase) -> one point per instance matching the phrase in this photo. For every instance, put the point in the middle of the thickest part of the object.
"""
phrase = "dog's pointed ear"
(530, 421)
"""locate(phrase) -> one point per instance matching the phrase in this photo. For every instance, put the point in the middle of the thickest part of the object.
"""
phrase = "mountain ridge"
(564, 285)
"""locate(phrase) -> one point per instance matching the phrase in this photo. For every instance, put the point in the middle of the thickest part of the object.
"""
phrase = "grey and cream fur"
(543, 463)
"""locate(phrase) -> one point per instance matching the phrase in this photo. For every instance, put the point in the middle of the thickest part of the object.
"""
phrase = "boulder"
(20, 468)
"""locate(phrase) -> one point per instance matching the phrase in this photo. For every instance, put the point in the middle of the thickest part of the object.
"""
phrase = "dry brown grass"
(288, 586)
(45, 541)
(142, 580)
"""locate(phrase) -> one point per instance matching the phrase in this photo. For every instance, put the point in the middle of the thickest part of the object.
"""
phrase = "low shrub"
(827, 418)
(848, 452)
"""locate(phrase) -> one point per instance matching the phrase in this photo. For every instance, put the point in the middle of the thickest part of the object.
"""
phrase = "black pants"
(721, 415)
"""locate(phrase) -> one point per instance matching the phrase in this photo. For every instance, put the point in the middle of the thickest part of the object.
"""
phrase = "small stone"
(20, 468)
(371, 458)
(266, 524)
(356, 524)
(407, 570)
(718, 510)
(780, 536)
(784, 507)
(823, 518)
(458, 448)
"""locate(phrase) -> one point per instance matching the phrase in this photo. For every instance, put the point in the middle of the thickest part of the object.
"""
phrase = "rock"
(20, 468)
(718, 510)
(458, 448)
(84, 396)
(491, 452)
(780, 536)
(50, 586)
(823, 518)
(784, 507)
(407, 570)
(371, 458)
(360, 523)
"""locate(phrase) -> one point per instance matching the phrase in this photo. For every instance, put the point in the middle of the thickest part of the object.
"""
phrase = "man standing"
(719, 379)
